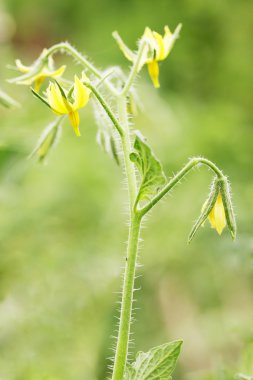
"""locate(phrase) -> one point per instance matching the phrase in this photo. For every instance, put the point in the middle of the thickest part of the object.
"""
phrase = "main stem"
(132, 248)
(127, 301)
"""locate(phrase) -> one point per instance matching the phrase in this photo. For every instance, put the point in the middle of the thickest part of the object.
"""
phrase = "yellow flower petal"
(160, 51)
(75, 120)
(153, 70)
(38, 82)
(81, 94)
(217, 215)
(220, 216)
(55, 73)
(56, 100)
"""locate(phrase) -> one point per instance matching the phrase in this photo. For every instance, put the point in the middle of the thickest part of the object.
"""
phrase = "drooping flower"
(41, 69)
(61, 104)
(158, 49)
(217, 215)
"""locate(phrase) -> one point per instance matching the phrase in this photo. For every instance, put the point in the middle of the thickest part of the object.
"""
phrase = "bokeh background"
(63, 225)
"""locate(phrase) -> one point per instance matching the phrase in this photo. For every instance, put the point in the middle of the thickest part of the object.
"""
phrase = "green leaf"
(158, 363)
(150, 168)
(129, 372)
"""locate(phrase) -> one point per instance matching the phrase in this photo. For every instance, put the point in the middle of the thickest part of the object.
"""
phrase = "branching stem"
(135, 69)
(177, 178)
(66, 47)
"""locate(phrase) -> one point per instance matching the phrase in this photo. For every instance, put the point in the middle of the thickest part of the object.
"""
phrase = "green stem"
(126, 146)
(106, 108)
(191, 164)
(134, 70)
(132, 248)
(66, 47)
(127, 300)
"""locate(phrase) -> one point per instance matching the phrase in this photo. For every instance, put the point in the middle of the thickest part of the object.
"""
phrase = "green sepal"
(156, 364)
(149, 167)
(108, 143)
(228, 206)
(61, 90)
(114, 150)
(7, 101)
(41, 98)
(48, 140)
(207, 208)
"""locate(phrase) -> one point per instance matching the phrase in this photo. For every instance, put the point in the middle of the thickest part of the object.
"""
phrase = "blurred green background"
(63, 225)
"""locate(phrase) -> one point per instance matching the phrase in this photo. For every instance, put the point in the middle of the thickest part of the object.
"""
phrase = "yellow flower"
(38, 72)
(158, 49)
(217, 215)
(61, 105)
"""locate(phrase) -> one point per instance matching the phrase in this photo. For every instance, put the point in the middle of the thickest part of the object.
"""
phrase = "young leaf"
(158, 363)
(129, 372)
(150, 168)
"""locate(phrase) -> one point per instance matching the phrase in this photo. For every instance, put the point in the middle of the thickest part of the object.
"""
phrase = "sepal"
(206, 209)
(149, 167)
(7, 101)
(228, 206)
(48, 140)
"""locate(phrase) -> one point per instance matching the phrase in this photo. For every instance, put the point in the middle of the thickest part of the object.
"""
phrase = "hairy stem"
(134, 70)
(106, 108)
(177, 178)
(126, 146)
(132, 247)
(66, 47)
(127, 300)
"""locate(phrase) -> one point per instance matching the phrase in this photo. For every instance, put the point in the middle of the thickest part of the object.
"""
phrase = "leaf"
(129, 372)
(150, 168)
(158, 363)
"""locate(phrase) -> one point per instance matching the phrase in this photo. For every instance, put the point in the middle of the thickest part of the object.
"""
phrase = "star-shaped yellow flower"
(217, 215)
(38, 72)
(158, 49)
(61, 104)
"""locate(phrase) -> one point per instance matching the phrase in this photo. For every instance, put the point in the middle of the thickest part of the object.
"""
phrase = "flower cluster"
(157, 49)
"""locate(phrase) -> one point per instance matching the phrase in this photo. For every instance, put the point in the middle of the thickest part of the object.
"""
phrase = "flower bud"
(206, 209)
(228, 206)
(48, 140)
(218, 209)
